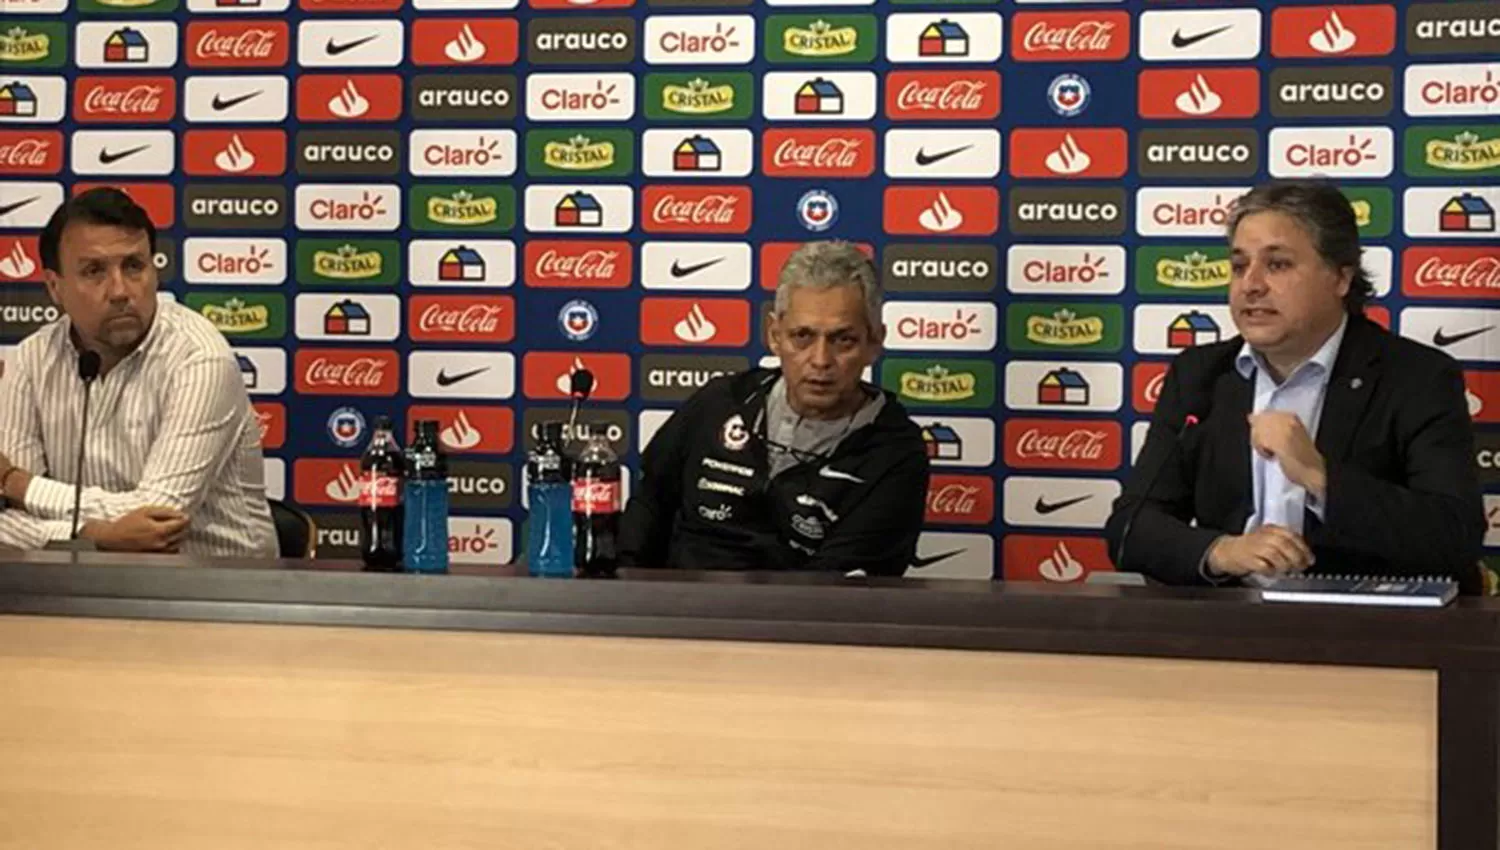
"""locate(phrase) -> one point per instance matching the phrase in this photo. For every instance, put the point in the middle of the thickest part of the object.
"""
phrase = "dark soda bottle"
(596, 509)
(381, 512)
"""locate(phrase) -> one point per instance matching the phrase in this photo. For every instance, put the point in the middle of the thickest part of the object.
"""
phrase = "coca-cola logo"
(599, 264)
(1058, 444)
(1052, 37)
(363, 372)
(710, 209)
(953, 499)
(125, 99)
(475, 319)
(967, 499)
(684, 209)
(829, 153)
(957, 96)
(1077, 444)
(1479, 273)
(462, 318)
(1451, 272)
(352, 372)
(250, 44)
(590, 265)
(1153, 387)
(218, 45)
(26, 153)
(942, 95)
(1086, 36)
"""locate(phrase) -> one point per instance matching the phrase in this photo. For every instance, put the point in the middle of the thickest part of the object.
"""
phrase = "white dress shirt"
(169, 425)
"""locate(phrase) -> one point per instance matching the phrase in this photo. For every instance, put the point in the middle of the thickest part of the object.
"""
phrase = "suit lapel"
(1349, 389)
(1238, 396)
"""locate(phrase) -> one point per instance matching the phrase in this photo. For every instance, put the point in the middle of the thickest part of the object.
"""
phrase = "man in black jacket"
(805, 467)
(1314, 441)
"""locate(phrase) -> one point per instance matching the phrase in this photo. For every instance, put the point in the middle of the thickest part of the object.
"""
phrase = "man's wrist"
(13, 483)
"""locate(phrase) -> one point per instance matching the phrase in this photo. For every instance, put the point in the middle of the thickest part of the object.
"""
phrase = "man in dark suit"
(1314, 440)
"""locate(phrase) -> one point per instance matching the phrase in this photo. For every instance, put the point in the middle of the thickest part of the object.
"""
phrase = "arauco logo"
(1363, 91)
(464, 97)
(961, 267)
(225, 206)
(580, 41)
(1198, 153)
(1442, 28)
(349, 153)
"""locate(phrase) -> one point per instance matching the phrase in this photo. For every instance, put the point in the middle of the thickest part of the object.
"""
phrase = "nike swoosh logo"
(1443, 340)
(1044, 507)
(679, 270)
(919, 563)
(335, 49)
(925, 158)
(1179, 40)
(222, 103)
(10, 208)
(830, 472)
(446, 380)
(107, 157)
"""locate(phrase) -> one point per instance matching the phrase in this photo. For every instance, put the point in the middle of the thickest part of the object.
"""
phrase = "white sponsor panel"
(1466, 333)
(1194, 35)
(36, 100)
(461, 374)
(1380, 262)
(1060, 386)
(1059, 502)
(473, 5)
(594, 208)
(719, 153)
(274, 470)
(1065, 270)
(264, 370)
(948, 555)
(1332, 151)
(1185, 211)
(940, 325)
(350, 44)
(482, 540)
(700, 39)
(963, 37)
(237, 7)
(647, 424)
(959, 440)
(33, 7)
(953, 152)
(332, 206)
(819, 96)
(1138, 433)
(235, 99)
(444, 153)
(715, 266)
(352, 317)
(1453, 90)
(1159, 326)
(142, 152)
(580, 97)
(1452, 212)
(473, 263)
(28, 204)
(125, 45)
(234, 261)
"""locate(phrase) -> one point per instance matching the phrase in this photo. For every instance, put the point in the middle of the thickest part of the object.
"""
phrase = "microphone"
(1189, 422)
(580, 386)
(88, 370)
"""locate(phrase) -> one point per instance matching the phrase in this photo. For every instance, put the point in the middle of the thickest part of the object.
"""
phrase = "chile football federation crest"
(817, 210)
(1068, 95)
(346, 427)
(578, 320)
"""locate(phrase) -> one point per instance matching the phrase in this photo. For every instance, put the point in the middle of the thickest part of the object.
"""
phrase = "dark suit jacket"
(1403, 496)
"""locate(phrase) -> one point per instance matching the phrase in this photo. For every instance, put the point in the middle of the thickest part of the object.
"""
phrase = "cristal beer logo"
(30, 152)
(1063, 444)
(348, 97)
(234, 44)
(22, 44)
(1193, 93)
(461, 318)
(818, 153)
(691, 209)
(577, 264)
(144, 100)
(1450, 272)
(942, 383)
(1435, 151)
(342, 372)
(579, 153)
(1070, 36)
(942, 95)
(960, 499)
(823, 37)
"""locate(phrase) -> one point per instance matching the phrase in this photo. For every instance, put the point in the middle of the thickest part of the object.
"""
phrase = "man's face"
(824, 342)
(1284, 297)
(107, 285)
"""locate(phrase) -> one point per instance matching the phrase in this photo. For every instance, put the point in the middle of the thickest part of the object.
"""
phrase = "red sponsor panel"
(350, 5)
(942, 210)
(461, 318)
(133, 100)
(801, 152)
(580, 5)
(349, 97)
(1145, 385)
(1316, 32)
(542, 371)
(468, 428)
(1198, 93)
(695, 209)
(773, 256)
(326, 481)
(1483, 391)
(272, 417)
(157, 199)
(960, 499)
(713, 322)
(203, 151)
(942, 95)
(1076, 152)
(347, 371)
(1379, 315)
(20, 259)
(568, 264)
(1053, 557)
(1445, 271)
(238, 44)
(1070, 36)
(477, 41)
(31, 152)
(1094, 444)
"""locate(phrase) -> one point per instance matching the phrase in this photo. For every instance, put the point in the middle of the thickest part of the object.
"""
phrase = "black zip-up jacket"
(706, 499)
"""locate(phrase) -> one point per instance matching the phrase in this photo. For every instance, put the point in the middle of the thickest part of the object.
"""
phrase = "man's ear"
(53, 283)
(1346, 280)
(772, 332)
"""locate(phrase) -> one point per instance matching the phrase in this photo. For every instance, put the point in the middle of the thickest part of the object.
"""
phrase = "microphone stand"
(88, 371)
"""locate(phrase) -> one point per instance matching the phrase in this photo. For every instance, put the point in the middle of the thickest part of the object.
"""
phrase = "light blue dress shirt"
(1277, 500)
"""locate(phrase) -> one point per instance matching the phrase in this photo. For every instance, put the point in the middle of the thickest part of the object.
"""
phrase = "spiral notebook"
(1411, 592)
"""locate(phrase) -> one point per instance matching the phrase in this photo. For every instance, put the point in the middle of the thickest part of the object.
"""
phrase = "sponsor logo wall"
(441, 208)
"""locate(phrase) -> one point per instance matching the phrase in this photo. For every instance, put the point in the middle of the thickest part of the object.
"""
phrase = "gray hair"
(1322, 210)
(825, 265)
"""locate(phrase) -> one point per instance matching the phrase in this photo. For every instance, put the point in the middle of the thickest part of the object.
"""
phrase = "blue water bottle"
(425, 537)
(549, 543)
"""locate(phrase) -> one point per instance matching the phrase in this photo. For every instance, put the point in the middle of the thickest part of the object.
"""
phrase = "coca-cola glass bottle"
(596, 508)
(381, 512)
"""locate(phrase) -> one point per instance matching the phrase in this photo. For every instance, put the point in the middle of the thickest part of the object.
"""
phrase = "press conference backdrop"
(438, 208)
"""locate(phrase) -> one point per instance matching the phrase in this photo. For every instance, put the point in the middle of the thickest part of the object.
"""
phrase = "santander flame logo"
(1199, 99)
(235, 157)
(462, 434)
(1069, 158)
(1332, 37)
(465, 47)
(348, 103)
(564, 381)
(17, 264)
(942, 216)
(1061, 565)
(695, 327)
(344, 488)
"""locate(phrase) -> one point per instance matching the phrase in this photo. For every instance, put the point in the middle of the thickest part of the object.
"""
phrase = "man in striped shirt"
(172, 461)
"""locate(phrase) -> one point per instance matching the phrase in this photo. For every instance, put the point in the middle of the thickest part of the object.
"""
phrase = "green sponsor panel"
(462, 207)
(1453, 152)
(1201, 270)
(700, 96)
(1373, 208)
(242, 315)
(820, 38)
(126, 7)
(580, 153)
(926, 382)
(345, 262)
(1064, 327)
(32, 44)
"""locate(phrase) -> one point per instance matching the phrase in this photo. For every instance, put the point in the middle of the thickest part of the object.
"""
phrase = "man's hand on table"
(149, 529)
(1269, 550)
(13, 483)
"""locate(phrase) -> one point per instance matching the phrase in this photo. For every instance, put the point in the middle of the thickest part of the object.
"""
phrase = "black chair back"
(296, 533)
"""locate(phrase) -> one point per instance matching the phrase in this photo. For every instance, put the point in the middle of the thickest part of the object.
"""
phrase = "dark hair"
(1329, 220)
(103, 205)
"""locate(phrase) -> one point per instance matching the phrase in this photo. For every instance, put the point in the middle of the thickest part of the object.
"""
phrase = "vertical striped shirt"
(169, 425)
